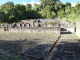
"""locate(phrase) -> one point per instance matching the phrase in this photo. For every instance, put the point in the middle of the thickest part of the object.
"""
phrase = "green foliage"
(61, 14)
(21, 22)
(53, 23)
(36, 7)
(2, 16)
(68, 4)
(46, 22)
(7, 6)
(14, 23)
(7, 56)
(47, 9)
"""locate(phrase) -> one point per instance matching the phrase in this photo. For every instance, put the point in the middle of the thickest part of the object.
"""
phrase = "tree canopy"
(47, 9)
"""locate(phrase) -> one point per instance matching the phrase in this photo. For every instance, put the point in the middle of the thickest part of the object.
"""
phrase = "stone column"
(27, 25)
(31, 23)
(23, 25)
(78, 28)
(18, 25)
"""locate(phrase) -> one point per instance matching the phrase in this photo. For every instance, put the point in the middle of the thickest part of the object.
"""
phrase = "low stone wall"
(78, 28)
(43, 20)
(1, 28)
(52, 30)
(72, 30)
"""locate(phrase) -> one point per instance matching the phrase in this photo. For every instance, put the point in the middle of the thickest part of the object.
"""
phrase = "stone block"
(27, 25)
(2, 25)
(23, 25)
(18, 25)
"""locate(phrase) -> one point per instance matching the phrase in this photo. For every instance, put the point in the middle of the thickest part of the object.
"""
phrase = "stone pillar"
(78, 28)
(2, 25)
(18, 25)
(31, 23)
(10, 25)
(27, 25)
(36, 24)
(23, 25)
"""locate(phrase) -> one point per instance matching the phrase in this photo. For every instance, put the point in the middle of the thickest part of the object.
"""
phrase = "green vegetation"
(47, 9)
(7, 56)
(53, 23)
(76, 37)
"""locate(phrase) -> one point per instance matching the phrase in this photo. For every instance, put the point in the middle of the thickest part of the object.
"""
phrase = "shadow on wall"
(67, 30)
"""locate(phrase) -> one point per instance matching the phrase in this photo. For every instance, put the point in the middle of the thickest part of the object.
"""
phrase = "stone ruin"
(78, 28)
(41, 23)
(35, 25)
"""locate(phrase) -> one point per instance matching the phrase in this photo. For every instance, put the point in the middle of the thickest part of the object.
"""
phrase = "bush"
(53, 23)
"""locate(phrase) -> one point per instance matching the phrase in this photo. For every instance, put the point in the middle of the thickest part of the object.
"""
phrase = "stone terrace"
(35, 45)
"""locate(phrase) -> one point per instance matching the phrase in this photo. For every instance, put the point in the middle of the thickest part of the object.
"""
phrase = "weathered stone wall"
(62, 24)
(1, 28)
(72, 30)
(66, 24)
(78, 28)
(52, 30)
(42, 20)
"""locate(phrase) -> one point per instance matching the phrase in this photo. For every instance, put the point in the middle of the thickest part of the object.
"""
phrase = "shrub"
(14, 23)
(53, 23)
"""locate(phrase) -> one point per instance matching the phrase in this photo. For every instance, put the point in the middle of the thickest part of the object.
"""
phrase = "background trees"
(47, 9)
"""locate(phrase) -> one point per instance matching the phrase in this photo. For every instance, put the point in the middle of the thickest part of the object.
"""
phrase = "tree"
(7, 6)
(28, 7)
(16, 13)
(68, 4)
(47, 1)
(36, 7)
(77, 6)
(58, 6)
(61, 13)
(2, 16)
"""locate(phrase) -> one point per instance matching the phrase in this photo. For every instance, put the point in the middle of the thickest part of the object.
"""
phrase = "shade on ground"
(35, 45)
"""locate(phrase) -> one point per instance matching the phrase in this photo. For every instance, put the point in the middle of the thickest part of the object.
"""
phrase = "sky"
(24, 2)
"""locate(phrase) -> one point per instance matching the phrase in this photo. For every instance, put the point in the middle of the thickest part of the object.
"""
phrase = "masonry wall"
(51, 30)
(78, 28)
(42, 20)
(72, 30)
(2, 29)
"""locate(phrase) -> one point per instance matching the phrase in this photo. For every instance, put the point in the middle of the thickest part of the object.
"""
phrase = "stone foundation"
(51, 30)
(78, 28)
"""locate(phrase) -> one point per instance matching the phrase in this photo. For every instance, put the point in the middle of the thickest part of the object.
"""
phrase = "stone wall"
(60, 23)
(78, 28)
(1, 28)
(51, 30)
(66, 24)
(72, 30)
(42, 20)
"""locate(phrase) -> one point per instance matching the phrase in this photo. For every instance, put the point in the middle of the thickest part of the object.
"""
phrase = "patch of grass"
(17, 58)
(7, 56)
(53, 23)
(76, 37)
